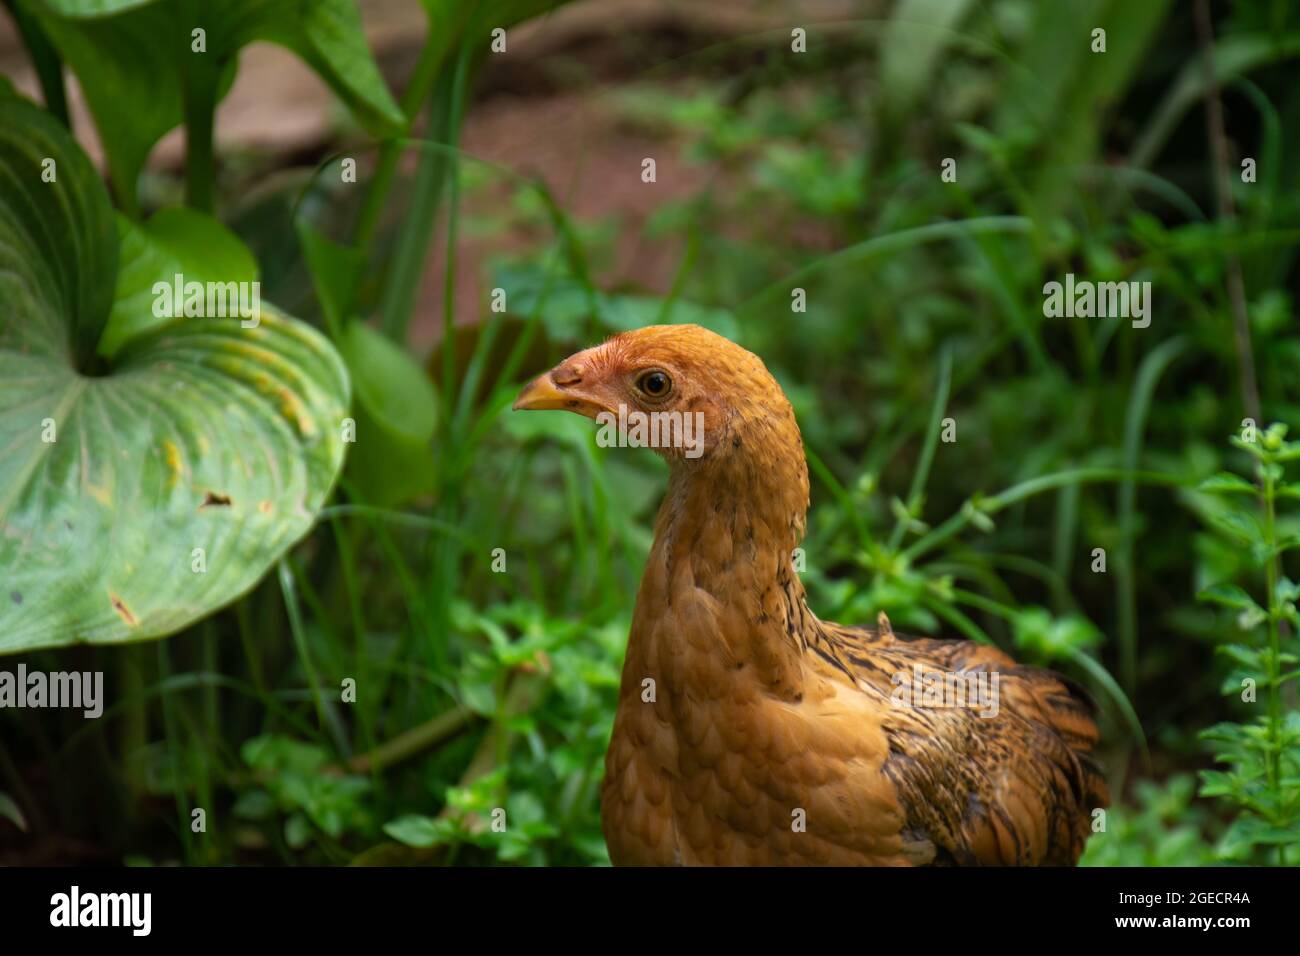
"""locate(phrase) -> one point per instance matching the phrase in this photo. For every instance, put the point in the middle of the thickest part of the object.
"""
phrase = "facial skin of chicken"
(748, 731)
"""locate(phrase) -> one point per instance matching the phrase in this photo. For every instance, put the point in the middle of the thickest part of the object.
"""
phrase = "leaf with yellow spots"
(198, 433)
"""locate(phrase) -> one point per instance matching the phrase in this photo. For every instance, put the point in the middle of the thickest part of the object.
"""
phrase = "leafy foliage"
(148, 66)
(1263, 753)
(1163, 827)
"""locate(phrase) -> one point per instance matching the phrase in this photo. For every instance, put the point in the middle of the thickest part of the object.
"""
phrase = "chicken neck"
(722, 565)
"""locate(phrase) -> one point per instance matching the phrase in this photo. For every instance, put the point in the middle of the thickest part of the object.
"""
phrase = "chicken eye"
(655, 384)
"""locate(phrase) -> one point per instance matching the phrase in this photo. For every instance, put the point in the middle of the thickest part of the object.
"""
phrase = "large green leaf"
(397, 414)
(174, 241)
(136, 60)
(132, 76)
(58, 255)
(203, 435)
(397, 406)
(390, 383)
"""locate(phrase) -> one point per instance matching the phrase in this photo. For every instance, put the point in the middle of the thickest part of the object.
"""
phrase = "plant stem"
(45, 59)
(1274, 764)
(289, 591)
(1148, 377)
(1214, 132)
(427, 69)
(412, 742)
(1027, 489)
(922, 472)
(200, 95)
(179, 772)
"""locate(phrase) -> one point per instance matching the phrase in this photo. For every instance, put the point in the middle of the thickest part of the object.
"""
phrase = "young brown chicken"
(750, 732)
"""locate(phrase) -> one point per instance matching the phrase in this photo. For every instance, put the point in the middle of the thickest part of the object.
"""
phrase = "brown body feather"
(750, 732)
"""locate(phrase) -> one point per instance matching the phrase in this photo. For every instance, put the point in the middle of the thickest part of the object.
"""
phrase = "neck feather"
(723, 560)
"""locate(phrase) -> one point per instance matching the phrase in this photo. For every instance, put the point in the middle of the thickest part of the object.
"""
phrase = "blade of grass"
(922, 472)
(175, 750)
(289, 592)
(1026, 489)
(887, 245)
(847, 504)
(1148, 376)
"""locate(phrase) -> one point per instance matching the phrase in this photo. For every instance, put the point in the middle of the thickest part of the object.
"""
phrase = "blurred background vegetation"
(478, 689)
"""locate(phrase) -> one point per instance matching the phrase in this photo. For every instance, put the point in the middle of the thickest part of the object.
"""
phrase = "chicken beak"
(542, 393)
(539, 394)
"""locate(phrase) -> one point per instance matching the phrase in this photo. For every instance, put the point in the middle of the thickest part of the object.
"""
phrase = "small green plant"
(1163, 826)
(1262, 784)
(293, 781)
